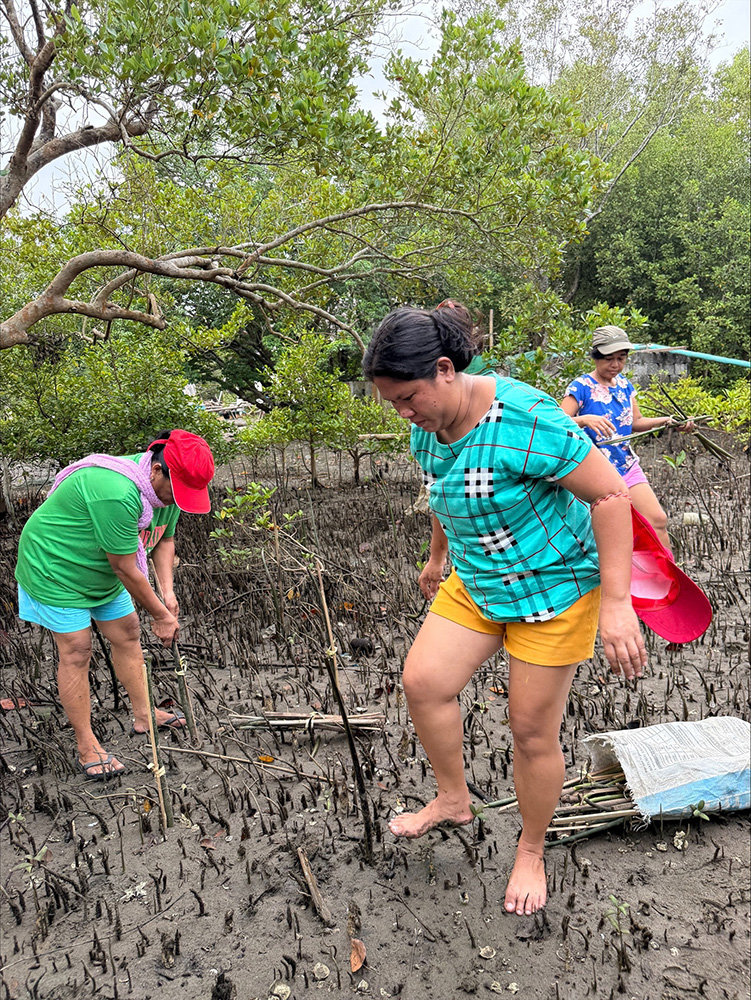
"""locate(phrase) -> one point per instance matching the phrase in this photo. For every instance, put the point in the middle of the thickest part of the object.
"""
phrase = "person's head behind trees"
(408, 342)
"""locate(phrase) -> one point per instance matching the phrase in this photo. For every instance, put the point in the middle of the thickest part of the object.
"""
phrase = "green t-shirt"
(521, 544)
(62, 552)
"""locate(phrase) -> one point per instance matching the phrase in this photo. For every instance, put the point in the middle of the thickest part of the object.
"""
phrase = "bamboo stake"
(184, 693)
(165, 799)
(587, 818)
(584, 834)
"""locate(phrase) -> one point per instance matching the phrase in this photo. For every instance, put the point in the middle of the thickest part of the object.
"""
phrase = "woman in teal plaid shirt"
(538, 528)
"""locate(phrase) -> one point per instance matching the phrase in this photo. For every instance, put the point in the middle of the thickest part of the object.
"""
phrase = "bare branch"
(11, 16)
(352, 214)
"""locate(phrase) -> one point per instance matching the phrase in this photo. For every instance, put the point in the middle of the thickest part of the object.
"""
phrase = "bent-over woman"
(538, 526)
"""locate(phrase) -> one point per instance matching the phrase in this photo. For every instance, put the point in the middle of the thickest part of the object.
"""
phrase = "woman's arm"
(642, 423)
(597, 422)
(163, 557)
(596, 482)
(433, 571)
(164, 625)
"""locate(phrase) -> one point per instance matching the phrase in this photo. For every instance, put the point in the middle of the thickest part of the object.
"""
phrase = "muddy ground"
(96, 899)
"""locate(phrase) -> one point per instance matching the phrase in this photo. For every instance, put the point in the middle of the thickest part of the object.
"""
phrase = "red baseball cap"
(666, 600)
(191, 469)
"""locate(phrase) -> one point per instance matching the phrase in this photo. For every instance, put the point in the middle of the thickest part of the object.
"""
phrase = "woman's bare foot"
(435, 813)
(527, 888)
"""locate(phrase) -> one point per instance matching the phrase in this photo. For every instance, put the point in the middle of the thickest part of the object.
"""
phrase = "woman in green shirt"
(81, 557)
(539, 532)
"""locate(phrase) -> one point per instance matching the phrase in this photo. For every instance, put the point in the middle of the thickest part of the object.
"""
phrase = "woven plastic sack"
(672, 767)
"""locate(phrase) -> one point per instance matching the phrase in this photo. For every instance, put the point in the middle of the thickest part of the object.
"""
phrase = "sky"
(411, 33)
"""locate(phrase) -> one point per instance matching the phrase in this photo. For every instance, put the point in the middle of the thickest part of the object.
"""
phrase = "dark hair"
(594, 353)
(408, 343)
(157, 451)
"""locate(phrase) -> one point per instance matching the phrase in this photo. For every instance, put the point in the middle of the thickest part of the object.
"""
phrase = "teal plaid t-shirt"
(520, 543)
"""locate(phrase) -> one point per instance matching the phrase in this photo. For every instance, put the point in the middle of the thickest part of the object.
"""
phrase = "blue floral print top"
(615, 402)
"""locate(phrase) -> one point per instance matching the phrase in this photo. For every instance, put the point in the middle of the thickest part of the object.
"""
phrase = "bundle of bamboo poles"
(589, 804)
(370, 722)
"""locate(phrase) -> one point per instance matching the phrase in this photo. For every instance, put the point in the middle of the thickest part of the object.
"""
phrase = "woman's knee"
(75, 653)
(122, 632)
(423, 681)
(531, 737)
(659, 519)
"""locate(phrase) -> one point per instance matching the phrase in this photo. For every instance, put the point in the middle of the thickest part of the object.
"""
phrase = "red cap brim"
(688, 617)
(682, 612)
(192, 501)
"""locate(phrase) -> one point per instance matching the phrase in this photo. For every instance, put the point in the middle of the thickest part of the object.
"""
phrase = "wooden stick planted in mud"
(184, 693)
(182, 685)
(315, 893)
(334, 678)
(165, 800)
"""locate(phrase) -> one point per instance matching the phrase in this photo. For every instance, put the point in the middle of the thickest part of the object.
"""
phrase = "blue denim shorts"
(72, 619)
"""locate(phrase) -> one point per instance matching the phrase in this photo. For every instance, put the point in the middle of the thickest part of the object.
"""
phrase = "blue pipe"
(692, 354)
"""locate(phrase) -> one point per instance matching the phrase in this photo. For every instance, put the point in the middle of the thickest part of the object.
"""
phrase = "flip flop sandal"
(169, 723)
(105, 761)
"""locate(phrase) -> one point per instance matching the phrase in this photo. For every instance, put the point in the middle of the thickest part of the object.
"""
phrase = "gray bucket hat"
(609, 339)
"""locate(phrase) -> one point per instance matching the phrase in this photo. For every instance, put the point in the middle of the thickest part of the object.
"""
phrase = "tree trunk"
(313, 473)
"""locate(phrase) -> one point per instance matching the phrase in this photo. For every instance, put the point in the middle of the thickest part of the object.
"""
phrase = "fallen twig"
(315, 893)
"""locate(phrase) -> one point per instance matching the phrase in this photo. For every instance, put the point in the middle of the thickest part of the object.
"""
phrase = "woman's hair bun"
(408, 343)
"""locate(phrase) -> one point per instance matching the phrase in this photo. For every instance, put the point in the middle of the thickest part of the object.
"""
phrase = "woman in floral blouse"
(604, 404)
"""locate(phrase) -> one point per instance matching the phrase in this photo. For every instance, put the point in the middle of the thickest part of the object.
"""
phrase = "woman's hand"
(600, 424)
(165, 627)
(431, 576)
(168, 596)
(685, 426)
(621, 637)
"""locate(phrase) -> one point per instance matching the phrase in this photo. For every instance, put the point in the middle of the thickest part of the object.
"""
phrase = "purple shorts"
(635, 475)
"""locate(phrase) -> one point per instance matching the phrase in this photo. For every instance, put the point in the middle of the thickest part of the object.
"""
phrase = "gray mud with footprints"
(95, 901)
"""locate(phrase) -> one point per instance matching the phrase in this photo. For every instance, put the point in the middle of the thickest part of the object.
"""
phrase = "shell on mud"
(362, 986)
(320, 971)
(487, 952)
(279, 991)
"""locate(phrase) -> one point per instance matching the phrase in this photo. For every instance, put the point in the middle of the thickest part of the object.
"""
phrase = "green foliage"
(697, 811)
(314, 406)
(677, 462)
(245, 516)
(110, 397)
(267, 83)
(730, 408)
(618, 914)
(543, 318)
(673, 238)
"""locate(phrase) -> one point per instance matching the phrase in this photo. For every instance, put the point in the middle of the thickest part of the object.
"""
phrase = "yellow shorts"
(567, 638)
